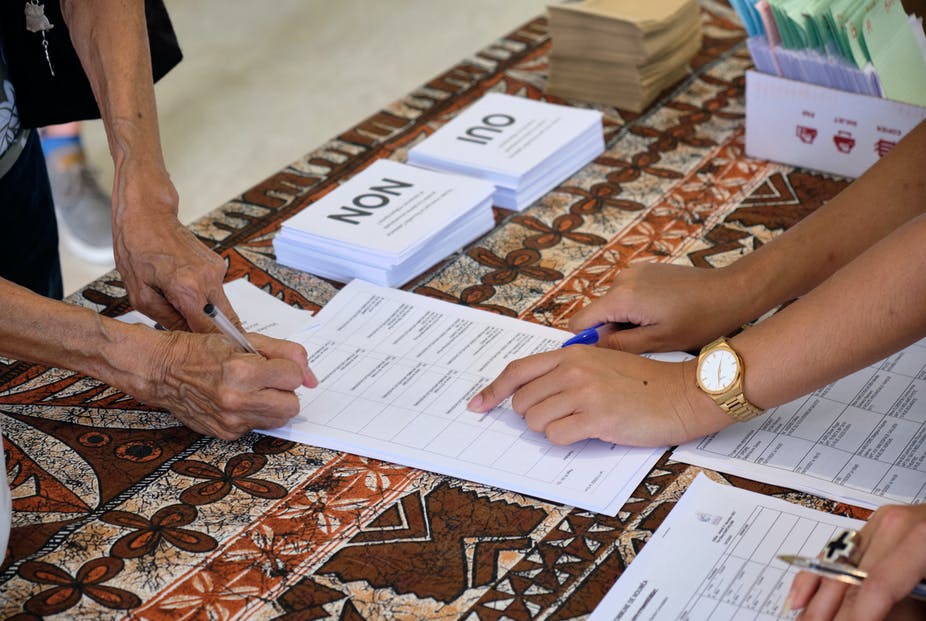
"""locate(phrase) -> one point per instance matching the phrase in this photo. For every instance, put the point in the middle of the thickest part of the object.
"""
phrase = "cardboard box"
(816, 127)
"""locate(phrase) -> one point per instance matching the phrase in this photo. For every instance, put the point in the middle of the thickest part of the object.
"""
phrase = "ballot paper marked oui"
(524, 147)
(396, 370)
(386, 224)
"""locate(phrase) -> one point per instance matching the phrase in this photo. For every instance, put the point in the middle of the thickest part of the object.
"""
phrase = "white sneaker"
(84, 211)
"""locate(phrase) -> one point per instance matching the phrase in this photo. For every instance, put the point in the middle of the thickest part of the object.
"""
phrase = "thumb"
(287, 350)
(154, 305)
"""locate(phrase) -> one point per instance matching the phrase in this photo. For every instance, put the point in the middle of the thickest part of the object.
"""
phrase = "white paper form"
(258, 311)
(396, 371)
(721, 544)
(860, 440)
(263, 313)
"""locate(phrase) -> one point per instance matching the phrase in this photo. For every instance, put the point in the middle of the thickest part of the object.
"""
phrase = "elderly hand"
(168, 273)
(580, 392)
(892, 549)
(672, 307)
(215, 389)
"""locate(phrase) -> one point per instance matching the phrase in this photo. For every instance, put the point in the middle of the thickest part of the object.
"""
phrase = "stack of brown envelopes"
(621, 52)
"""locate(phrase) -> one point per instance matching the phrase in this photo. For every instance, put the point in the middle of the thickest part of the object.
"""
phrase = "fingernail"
(310, 380)
(786, 607)
(475, 403)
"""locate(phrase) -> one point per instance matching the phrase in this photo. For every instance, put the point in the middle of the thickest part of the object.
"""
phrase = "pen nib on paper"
(790, 559)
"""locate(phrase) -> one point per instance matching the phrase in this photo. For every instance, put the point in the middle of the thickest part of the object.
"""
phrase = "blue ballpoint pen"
(588, 336)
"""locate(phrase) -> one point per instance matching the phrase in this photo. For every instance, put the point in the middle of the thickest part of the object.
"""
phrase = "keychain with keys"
(37, 21)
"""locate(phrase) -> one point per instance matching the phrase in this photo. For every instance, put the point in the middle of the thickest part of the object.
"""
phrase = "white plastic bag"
(6, 503)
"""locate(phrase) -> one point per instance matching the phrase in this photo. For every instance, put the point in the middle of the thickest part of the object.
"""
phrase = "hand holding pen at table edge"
(660, 307)
(570, 393)
(609, 392)
(891, 549)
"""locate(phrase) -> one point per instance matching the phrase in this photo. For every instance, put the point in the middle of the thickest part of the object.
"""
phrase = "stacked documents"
(862, 46)
(621, 52)
(386, 224)
(524, 147)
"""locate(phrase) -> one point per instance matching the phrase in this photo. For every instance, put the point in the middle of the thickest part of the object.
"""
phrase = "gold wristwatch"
(720, 375)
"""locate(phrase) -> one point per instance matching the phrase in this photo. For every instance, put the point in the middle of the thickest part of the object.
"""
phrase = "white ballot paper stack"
(525, 147)
(396, 371)
(386, 224)
(716, 557)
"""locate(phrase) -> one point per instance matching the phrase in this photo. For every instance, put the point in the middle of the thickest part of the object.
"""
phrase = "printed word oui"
(491, 124)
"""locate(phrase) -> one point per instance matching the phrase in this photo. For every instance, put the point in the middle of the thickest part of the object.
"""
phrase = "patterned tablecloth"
(118, 510)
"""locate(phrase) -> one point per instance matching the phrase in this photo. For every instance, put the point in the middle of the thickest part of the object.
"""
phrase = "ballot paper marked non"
(386, 224)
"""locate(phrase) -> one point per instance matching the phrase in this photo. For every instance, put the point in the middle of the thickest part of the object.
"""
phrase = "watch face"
(718, 370)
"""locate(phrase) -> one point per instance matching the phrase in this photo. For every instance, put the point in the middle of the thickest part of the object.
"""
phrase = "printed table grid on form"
(866, 431)
(748, 577)
(412, 396)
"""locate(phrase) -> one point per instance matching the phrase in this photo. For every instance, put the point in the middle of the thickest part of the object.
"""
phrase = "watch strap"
(736, 405)
(739, 408)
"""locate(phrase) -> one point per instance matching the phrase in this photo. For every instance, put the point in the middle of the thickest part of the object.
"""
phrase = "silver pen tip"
(791, 559)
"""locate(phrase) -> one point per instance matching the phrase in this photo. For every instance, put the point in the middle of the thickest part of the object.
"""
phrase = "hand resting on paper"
(848, 276)
(893, 551)
(580, 392)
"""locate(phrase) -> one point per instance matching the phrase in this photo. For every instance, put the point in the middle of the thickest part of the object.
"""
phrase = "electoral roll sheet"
(861, 439)
(716, 557)
(396, 371)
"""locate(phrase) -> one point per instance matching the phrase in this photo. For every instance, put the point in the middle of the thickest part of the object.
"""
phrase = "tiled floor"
(262, 84)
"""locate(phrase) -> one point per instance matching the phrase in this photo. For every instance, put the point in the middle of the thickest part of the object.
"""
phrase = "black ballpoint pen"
(841, 572)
